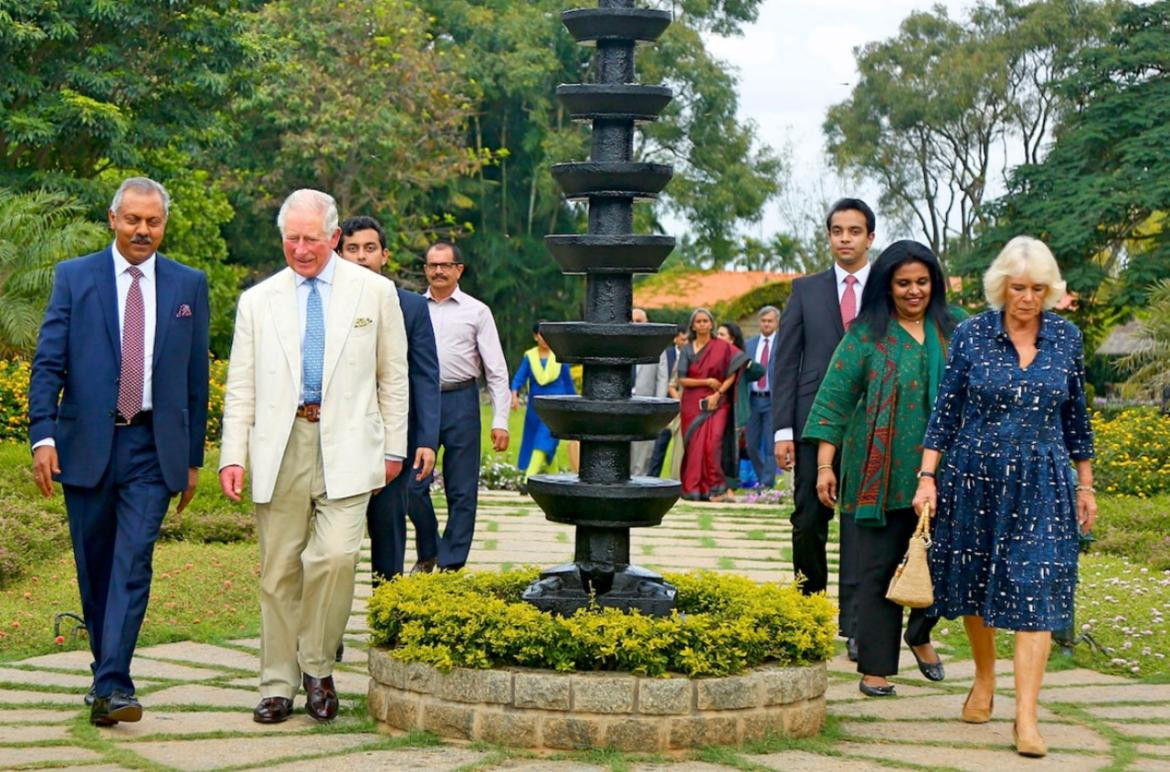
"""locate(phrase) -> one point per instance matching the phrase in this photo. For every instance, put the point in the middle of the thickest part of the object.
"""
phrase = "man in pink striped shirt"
(465, 333)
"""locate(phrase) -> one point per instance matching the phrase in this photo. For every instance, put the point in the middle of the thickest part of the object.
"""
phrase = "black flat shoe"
(932, 670)
(107, 711)
(876, 691)
(851, 649)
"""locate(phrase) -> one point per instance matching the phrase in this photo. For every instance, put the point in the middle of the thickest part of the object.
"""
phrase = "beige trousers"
(309, 546)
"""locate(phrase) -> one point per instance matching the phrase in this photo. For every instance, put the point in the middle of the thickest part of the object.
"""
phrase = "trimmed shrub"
(722, 625)
(1133, 452)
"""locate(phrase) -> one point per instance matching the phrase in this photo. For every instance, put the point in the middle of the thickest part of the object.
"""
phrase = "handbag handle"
(923, 528)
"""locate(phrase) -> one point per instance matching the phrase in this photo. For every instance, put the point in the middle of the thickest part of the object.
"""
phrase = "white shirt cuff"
(49, 441)
(783, 435)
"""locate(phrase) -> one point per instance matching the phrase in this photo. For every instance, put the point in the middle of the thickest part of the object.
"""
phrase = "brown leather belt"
(141, 418)
(310, 412)
(457, 385)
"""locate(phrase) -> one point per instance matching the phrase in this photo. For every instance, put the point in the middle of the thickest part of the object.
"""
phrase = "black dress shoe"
(851, 649)
(107, 711)
(876, 691)
(932, 670)
(320, 697)
(91, 695)
(272, 710)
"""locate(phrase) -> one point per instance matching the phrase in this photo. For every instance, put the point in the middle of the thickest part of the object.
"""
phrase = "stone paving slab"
(972, 759)
(21, 697)
(1119, 693)
(1158, 751)
(42, 678)
(939, 707)
(1084, 677)
(1074, 737)
(346, 681)
(37, 715)
(160, 722)
(1142, 730)
(802, 761)
(47, 754)
(683, 766)
(33, 734)
(203, 654)
(239, 751)
(201, 694)
(1161, 712)
(848, 691)
(421, 759)
(530, 765)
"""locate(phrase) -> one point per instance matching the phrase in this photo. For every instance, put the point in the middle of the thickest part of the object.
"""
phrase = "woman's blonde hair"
(1023, 256)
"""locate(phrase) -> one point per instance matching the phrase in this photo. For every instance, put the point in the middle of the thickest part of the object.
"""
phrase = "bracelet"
(923, 473)
(1086, 489)
(824, 466)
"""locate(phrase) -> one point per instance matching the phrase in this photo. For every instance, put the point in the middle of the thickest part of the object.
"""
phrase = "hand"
(827, 487)
(713, 401)
(186, 496)
(499, 440)
(785, 454)
(393, 469)
(515, 401)
(713, 383)
(1086, 510)
(926, 494)
(424, 462)
(44, 467)
(231, 481)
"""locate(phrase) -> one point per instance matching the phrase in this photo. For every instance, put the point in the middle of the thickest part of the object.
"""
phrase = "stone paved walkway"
(198, 697)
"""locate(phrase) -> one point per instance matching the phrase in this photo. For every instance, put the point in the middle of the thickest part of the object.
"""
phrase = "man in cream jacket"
(315, 408)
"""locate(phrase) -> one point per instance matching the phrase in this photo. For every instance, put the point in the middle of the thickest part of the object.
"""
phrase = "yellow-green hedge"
(723, 625)
(1133, 452)
(14, 399)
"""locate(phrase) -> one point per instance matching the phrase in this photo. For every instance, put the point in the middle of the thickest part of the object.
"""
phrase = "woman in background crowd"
(750, 371)
(1009, 426)
(543, 374)
(873, 404)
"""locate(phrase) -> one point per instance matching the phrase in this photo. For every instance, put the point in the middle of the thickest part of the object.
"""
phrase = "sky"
(793, 63)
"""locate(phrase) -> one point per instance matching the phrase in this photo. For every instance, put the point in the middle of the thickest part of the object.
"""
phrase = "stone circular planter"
(573, 711)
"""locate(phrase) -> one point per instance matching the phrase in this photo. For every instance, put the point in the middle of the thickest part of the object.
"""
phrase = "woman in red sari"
(707, 368)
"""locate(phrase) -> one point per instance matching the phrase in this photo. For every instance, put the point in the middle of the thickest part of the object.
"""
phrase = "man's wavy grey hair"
(313, 200)
(1023, 256)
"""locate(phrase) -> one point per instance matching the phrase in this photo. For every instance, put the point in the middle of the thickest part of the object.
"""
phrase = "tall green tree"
(37, 229)
(1100, 196)
(942, 109)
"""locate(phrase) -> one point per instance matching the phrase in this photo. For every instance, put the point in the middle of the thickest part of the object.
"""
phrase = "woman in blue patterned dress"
(1010, 425)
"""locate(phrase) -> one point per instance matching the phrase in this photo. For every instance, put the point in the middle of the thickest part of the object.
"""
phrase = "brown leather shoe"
(424, 566)
(272, 710)
(320, 697)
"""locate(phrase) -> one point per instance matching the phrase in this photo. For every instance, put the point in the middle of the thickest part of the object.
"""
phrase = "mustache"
(140, 240)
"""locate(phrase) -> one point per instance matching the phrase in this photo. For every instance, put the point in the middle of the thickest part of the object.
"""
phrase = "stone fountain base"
(545, 709)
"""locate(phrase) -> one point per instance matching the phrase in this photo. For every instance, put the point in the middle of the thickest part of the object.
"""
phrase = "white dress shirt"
(862, 275)
(466, 336)
(758, 355)
(324, 289)
(147, 285)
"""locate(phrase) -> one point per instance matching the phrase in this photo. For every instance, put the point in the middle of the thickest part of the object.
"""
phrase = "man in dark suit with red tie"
(117, 415)
(813, 323)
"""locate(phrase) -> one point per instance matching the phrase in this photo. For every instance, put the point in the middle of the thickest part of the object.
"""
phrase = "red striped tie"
(133, 349)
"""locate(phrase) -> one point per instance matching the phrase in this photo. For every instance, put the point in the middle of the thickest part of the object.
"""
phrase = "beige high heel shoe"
(976, 715)
(1031, 749)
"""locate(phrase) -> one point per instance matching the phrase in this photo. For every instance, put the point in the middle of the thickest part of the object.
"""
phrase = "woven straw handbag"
(911, 586)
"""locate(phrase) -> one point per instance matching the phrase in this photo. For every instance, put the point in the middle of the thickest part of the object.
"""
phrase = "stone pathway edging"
(198, 697)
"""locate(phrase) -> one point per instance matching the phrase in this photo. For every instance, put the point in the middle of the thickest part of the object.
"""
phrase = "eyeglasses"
(436, 267)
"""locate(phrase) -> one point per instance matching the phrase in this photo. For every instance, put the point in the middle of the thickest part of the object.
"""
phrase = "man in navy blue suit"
(117, 415)
(762, 348)
(363, 241)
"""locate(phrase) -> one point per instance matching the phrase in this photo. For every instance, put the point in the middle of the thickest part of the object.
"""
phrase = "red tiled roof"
(703, 288)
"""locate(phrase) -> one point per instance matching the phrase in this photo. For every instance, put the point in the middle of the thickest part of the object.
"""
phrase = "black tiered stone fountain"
(604, 502)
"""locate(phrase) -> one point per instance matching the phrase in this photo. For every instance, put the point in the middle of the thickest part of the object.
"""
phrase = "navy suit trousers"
(459, 437)
(386, 520)
(114, 526)
(759, 439)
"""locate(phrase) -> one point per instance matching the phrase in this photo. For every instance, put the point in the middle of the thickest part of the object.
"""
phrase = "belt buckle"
(312, 413)
(119, 420)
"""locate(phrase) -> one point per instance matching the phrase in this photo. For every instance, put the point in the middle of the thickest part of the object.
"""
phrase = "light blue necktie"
(314, 355)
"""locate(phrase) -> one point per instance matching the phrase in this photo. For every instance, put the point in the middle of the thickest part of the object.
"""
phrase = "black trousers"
(879, 621)
(810, 538)
(658, 456)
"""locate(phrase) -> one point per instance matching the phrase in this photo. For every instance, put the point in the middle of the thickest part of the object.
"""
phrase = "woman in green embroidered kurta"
(874, 403)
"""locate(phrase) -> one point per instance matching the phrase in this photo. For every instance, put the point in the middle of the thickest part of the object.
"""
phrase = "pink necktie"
(848, 301)
(133, 349)
(762, 384)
